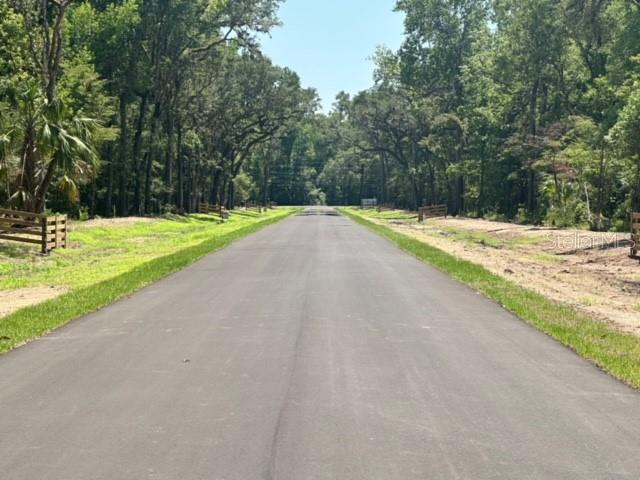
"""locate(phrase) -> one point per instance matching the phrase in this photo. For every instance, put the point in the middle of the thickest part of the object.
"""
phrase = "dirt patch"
(590, 271)
(13, 300)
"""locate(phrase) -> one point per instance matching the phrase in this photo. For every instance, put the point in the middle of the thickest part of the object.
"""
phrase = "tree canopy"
(524, 110)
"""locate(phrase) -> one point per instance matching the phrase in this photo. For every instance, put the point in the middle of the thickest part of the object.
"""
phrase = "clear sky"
(329, 42)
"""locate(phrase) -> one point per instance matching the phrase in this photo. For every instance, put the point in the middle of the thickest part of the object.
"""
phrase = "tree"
(56, 138)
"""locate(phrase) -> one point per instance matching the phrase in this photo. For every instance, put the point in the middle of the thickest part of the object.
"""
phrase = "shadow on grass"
(245, 213)
(18, 251)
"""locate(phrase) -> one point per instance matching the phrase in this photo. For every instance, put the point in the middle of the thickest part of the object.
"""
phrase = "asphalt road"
(312, 350)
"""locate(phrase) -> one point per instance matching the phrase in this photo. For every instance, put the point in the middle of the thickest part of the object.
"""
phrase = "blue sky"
(329, 42)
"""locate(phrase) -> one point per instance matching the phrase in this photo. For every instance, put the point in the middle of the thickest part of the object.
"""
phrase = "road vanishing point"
(311, 350)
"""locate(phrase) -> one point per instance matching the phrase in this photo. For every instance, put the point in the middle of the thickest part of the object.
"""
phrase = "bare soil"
(13, 300)
(590, 271)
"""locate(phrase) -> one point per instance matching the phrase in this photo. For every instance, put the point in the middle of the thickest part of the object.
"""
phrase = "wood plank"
(17, 221)
(6, 211)
(56, 236)
(22, 240)
(53, 222)
(24, 231)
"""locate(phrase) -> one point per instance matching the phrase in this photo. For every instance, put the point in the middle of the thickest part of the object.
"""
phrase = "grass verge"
(615, 352)
(32, 322)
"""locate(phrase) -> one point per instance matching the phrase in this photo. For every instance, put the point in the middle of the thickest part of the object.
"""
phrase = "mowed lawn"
(105, 261)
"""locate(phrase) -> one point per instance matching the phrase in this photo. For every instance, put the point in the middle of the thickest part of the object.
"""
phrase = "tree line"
(525, 110)
(137, 107)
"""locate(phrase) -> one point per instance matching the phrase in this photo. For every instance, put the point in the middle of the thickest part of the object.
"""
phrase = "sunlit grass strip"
(32, 322)
(615, 352)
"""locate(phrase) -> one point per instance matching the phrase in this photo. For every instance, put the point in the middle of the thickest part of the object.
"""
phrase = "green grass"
(393, 215)
(471, 237)
(548, 258)
(99, 253)
(615, 352)
(110, 263)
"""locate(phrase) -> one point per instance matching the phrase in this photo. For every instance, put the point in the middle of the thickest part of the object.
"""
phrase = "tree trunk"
(122, 164)
(195, 181)
(224, 190)
(231, 197)
(168, 162)
(531, 190)
(265, 183)
(384, 179)
(94, 194)
(433, 193)
(29, 156)
(109, 206)
(601, 187)
(150, 155)
(461, 192)
(180, 165)
(483, 164)
(533, 130)
(215, 188)
(416, 193)
(362, 179)
(137, 150)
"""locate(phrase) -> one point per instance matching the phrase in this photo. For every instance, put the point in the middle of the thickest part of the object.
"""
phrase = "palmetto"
(54, 144)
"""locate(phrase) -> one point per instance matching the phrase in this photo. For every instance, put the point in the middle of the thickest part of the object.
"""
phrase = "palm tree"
(54, 144)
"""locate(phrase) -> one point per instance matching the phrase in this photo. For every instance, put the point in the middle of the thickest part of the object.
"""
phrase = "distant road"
(311, 350)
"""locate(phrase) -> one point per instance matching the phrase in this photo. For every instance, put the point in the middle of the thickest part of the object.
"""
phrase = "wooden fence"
(253, 206)
(386, 207)
(48, 231)
(206, 209)
(369, 203)
(432, 212)
(635, 234)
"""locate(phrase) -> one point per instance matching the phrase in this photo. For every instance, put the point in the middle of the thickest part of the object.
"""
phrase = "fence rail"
(386, 207)
(48, 231)
(433, 211)
(369, 203)
(635, 234)
(253, 206)
(207, 209)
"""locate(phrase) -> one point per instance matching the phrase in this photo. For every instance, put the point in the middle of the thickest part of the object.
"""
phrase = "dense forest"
(526, 110)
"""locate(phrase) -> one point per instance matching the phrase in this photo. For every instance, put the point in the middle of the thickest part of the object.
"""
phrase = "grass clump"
(470, 237)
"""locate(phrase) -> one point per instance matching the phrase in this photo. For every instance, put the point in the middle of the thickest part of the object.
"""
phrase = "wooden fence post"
(66, 228)
(57, 228)
(45, 239)
(635, 234)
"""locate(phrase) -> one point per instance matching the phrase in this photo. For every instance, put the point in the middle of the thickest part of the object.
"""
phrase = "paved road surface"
(312, 350)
